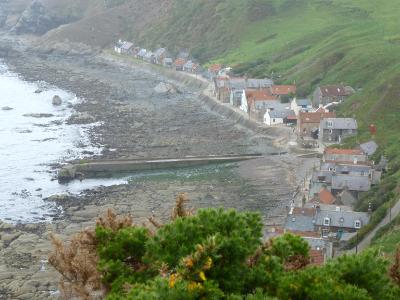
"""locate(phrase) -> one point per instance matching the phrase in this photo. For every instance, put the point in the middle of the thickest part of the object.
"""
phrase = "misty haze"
(199, 149)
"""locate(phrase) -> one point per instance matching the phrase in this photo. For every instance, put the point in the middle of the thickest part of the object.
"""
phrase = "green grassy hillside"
(307, 42)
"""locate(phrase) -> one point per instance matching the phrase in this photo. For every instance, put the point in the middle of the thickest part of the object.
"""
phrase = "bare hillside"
(96, 23)
(103, 26)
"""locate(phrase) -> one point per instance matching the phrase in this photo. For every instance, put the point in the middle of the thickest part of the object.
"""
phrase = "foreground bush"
(213, 254)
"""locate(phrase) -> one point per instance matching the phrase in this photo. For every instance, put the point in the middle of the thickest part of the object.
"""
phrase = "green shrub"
(213, 254)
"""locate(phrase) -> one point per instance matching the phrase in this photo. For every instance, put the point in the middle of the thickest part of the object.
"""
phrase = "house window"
(357, 224)
(330, 124)
(325, 233)
(273, 120)
(327, 221)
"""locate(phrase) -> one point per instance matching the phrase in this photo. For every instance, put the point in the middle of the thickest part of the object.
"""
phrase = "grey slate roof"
(253, 83)
(369, 148)
(275, 105)
(316, 243)
(299, 223)
(281, 113)
(250, 83)
(340, 168)
(339, 123)
(327, 206)
(237, 83)
(351, 182)
(326, 174)
(344, 219)
(126, 46)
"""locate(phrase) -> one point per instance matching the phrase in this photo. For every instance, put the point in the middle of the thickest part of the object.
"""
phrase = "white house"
(123, 47)
(243, 102)
(276, 117)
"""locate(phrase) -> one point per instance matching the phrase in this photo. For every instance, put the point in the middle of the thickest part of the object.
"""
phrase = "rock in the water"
(39, 115)
(67, 173)
(165, 88)
(56, 100)
(38, 91)
(81, 118)
(7, 108)
(59, 199)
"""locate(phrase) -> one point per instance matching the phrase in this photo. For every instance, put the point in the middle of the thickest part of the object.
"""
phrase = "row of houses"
(261, 99)
(276, 105)
(160, 56)
(345, 173)
(325, 218)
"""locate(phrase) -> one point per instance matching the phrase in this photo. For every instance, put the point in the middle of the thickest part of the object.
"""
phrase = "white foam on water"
(28, 146)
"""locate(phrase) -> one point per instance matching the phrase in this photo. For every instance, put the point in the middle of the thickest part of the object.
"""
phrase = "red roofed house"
(326, 94)
(179, 63)
(283, 90)
(214, 69)
(325, 197)
(345, 155)
(258, 101)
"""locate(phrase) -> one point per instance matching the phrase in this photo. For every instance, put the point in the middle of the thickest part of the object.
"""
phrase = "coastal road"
(368, 238)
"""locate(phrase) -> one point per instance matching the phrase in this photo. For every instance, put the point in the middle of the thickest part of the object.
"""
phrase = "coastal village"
(322, 210)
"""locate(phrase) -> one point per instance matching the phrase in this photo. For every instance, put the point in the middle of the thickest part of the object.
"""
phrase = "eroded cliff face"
(92, 22)
(37, 19)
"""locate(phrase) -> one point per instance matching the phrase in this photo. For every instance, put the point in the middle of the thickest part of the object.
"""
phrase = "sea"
(30, 147)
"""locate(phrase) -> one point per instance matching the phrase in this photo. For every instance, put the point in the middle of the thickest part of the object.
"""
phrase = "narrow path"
(368, 238)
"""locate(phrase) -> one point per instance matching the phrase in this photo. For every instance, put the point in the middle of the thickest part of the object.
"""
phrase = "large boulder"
(39, 115)
(81, 118)
(165, 88)
(66, 174)
(56, 100)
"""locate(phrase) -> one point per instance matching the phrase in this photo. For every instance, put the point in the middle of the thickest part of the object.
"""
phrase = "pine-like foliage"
(210, 254)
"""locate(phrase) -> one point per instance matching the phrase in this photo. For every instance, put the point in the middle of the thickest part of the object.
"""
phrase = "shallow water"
(29, 145)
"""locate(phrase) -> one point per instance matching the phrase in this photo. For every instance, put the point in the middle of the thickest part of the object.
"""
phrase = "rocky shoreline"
(137, 121)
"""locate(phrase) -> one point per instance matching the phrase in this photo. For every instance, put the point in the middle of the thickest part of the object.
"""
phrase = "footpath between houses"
(366, 241)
